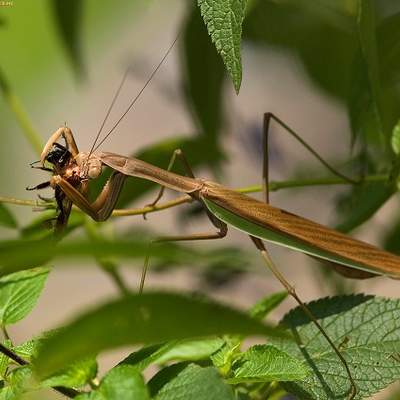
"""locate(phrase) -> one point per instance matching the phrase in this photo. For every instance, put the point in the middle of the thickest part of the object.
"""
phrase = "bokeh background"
(62, 62)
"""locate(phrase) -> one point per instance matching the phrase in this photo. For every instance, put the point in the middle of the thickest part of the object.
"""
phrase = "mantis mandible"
(72, 171)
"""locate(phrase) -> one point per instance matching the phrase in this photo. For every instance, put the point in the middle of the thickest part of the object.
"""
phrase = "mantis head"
(90, 166)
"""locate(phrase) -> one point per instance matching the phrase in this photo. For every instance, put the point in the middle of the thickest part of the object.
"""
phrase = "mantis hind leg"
(268, 117)
(265, 254)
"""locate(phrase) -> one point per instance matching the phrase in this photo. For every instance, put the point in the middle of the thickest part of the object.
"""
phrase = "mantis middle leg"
(222, 228)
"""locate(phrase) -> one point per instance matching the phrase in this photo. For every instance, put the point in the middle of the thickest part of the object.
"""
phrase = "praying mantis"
(73, 170)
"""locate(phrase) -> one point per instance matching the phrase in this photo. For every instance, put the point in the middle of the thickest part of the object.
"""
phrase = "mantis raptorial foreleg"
(67, 134)
(267, 258)
(105, 202)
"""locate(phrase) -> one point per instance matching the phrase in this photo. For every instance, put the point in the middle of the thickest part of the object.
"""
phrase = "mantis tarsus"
(72, 171)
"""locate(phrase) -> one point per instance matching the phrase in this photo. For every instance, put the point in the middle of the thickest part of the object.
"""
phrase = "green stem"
(21, 116)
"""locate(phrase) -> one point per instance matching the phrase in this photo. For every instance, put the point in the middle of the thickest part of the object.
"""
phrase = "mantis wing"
(283, 228)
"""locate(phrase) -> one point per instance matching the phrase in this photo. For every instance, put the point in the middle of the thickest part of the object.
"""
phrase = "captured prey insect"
(72, 171)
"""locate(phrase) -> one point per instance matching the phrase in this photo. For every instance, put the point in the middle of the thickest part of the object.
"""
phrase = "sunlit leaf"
(146, 318)
(19, 293)
(76, 375)
(264, 306)
(121, 382)
(265, 363)
(180, 350)
(202, 64)
(365, 329)
(224, 19)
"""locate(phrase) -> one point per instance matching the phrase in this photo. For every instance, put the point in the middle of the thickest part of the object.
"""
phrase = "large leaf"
(224, 19)
(306, 28)
(19, 293)
(122, 382)
(366, 330)
(365, 100)
(266, 363)
(146, 318)
(189, 382)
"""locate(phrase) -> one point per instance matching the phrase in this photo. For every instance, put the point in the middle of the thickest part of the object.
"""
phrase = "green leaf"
(19, 380)
(191, 350)
(223, 358)
(263, 307)
(396, 139)
(266, 363)
(6, 218)
(203, 64)
(366, 103)
(224, 19)
(308, 27)
(76, 375)
(362, 202)
(68, 17)
(365, 329)
(190, 382)
(180, 350)
(146, 318)
(19, 293)
(121, 382)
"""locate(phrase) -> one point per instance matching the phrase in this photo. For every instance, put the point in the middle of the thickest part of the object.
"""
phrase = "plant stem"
(21, 116)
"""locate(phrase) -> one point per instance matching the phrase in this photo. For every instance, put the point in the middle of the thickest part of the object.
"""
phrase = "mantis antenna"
(94, 147)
